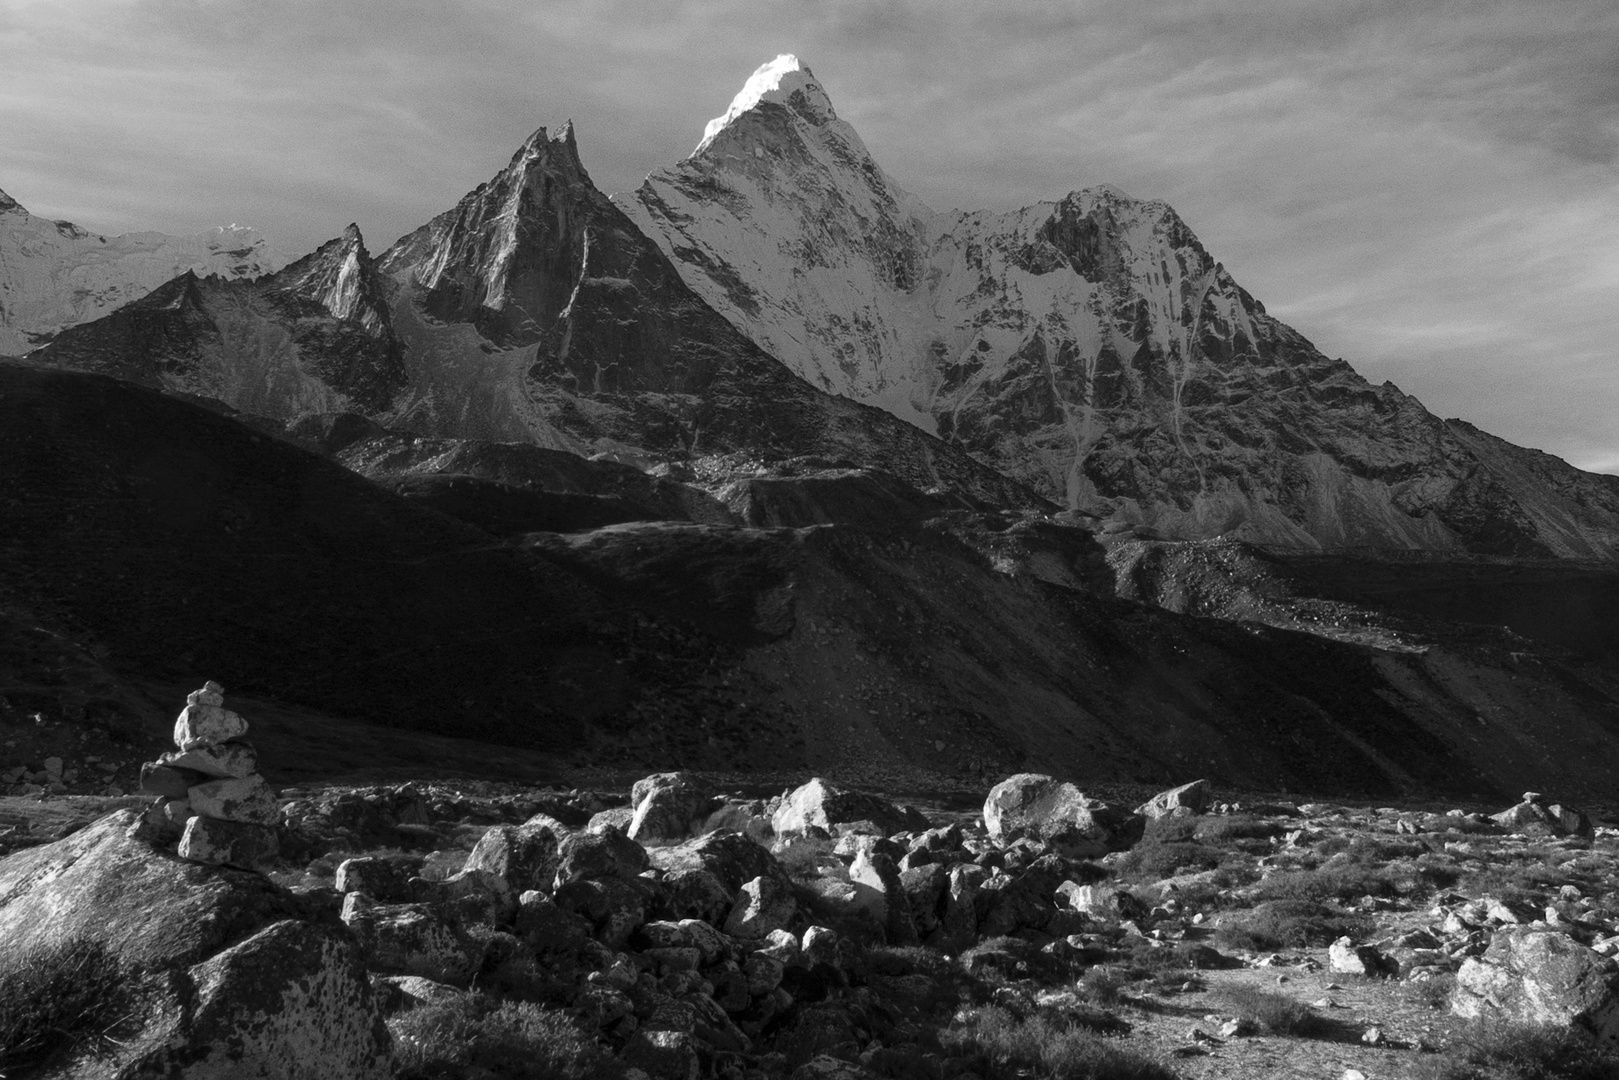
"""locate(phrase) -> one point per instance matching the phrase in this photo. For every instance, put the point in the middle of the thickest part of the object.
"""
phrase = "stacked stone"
(210, 792)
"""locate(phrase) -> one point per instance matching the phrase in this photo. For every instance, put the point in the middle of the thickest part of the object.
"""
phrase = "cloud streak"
(1430, 191)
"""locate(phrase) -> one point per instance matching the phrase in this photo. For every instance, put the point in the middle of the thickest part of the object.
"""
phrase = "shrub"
(1271, 1012)
(63, 1000)
(805, 857)
(1287, 924)
(518, 1040)
(911, 960)
(1103, 985)
(1004, 1047)
(1340, 881)
(1432, 993)
(1531, 882)
(1168, 830)
(1224, 830)
(1437, 871)
(1498, 1051)
(1157, 861)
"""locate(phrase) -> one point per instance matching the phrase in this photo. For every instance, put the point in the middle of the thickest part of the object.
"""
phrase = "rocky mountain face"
(54, 274)
(934, 648)
(315, 336)
(1089, 347)
(534, 311)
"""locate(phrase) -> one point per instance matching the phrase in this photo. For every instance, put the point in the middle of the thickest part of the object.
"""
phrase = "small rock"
(207, 725)
(224, 760)
(1351, 959)
(227, 843)
(245, 799)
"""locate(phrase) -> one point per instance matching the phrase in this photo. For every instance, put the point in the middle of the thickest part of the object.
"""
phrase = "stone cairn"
(210, 794)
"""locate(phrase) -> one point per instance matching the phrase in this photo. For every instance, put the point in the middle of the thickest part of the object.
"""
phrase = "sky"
(1428, 190)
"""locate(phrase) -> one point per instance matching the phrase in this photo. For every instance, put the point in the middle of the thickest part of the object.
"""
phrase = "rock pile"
(210, 793)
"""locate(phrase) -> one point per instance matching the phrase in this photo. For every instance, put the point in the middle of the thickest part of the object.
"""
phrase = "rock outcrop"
(1539, 977)
(220, 972)
(1056, 813)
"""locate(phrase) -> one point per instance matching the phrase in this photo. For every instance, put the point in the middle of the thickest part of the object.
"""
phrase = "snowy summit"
(781, 81)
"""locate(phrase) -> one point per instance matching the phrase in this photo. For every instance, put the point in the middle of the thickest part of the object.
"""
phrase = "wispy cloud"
(1429, 190)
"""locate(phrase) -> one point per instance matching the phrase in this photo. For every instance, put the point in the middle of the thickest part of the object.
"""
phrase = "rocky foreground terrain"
(213, 927)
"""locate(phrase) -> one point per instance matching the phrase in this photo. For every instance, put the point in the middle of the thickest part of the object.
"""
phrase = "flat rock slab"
(105, 883)
(292, 1002)
(229, 759)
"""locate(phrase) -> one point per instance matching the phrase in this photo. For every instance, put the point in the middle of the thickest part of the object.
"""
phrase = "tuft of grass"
(1432, 993)
(1340, 881)
(1271, 1012)
(1227, 830)
(516, 1040)
(1287, 924)
(1001, 1046)
(1498, 1051)
(1536, 874)
(1103, 985)
(64, 1001)
(807, 858)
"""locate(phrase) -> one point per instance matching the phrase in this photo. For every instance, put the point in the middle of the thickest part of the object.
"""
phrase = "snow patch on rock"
(782, 81)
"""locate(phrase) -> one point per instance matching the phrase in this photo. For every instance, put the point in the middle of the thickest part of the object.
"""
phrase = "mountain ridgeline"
(1088, 351)
(1089, 347)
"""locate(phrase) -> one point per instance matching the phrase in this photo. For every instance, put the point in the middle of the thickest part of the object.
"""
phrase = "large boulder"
(1193, 798)
(762, 905)
(292, 1001)
(695, 894)
(149, 909)
(666, 806)
(233, 982)
(613, 906)
(1540, 977)
(526, 856)
(927, 888)
(1023, 901)
(730, 857)
(1533, 814)
(1059, 815)
(880, 891)
(413, 939)
(588, 855)
(820, 805)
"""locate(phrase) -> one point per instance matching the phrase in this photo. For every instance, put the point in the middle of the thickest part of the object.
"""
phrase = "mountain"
(1089, 347)
(533, 311)
(147, 542)
(54, 274)
(313, 337)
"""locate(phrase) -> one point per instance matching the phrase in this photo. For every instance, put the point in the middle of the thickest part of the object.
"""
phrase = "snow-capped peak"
(783, 81)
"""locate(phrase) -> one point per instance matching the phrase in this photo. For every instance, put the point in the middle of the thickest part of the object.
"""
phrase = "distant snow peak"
(783, 81)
